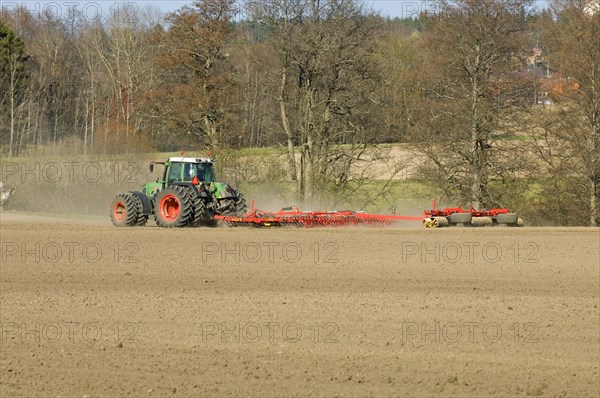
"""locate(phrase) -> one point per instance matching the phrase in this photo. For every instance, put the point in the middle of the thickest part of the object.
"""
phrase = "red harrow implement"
(435, 218)
(292, 216)
(458, 216)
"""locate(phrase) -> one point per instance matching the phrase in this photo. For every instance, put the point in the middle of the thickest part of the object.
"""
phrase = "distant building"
(592, 7)
(537, 63)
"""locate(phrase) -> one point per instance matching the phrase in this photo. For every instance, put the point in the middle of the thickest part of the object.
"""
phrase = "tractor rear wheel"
(173, 207)
(126, 211)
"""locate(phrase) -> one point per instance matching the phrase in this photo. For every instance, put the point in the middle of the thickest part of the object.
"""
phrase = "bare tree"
(471, 47)
(196, 73)
(572, 35)
(121, 49)
(256, 70)
(12, 80)
(326, 78)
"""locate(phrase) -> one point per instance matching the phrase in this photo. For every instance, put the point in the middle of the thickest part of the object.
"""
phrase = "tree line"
(492, 93)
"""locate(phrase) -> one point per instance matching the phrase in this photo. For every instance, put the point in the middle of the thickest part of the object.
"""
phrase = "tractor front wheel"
(201, 213)
(235, 206)
(173, 207)
(240, 205)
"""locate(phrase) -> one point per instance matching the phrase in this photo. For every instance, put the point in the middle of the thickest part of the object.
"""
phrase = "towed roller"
(436, 222)
(457, 216)
(482, 222)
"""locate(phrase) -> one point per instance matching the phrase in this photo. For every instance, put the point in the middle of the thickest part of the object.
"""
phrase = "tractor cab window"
(187, 171)
(201, 170)
(175, 173)
(209, 175)
(191, 170)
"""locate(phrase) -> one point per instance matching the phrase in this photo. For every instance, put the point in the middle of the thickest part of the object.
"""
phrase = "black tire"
(202, 215)
(173, 207)
(461, 218)
(227, 207)
(141, 219)
(240, 205)
(510, 218)
(234, 206)
(125, 211)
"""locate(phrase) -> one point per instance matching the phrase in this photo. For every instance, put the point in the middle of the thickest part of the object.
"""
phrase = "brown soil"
(91, 310)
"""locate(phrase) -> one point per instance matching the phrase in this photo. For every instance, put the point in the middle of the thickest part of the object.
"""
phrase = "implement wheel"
(461, 218)
(510, 218)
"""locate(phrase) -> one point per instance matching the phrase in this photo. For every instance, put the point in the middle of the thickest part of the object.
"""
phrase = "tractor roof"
(192, 160)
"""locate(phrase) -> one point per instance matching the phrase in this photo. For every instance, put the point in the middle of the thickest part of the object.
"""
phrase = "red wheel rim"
(169, 208)
(120, 211)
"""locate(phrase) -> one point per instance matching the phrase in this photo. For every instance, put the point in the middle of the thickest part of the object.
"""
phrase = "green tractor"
(187, 196)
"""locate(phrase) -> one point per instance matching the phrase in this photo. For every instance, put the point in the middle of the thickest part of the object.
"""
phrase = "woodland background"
(494, 102)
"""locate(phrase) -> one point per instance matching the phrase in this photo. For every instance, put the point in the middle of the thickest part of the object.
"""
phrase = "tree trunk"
(12, 116)
(211, 129)
(595, 177)
(286, 126)
(302, 183)
(310, 144)
(595, 194)
(475, 148)
(595, 202)
(93, 121)
(86, 128)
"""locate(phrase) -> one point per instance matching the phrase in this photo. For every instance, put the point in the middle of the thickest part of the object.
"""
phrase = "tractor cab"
(179, 169)
(194, 170)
